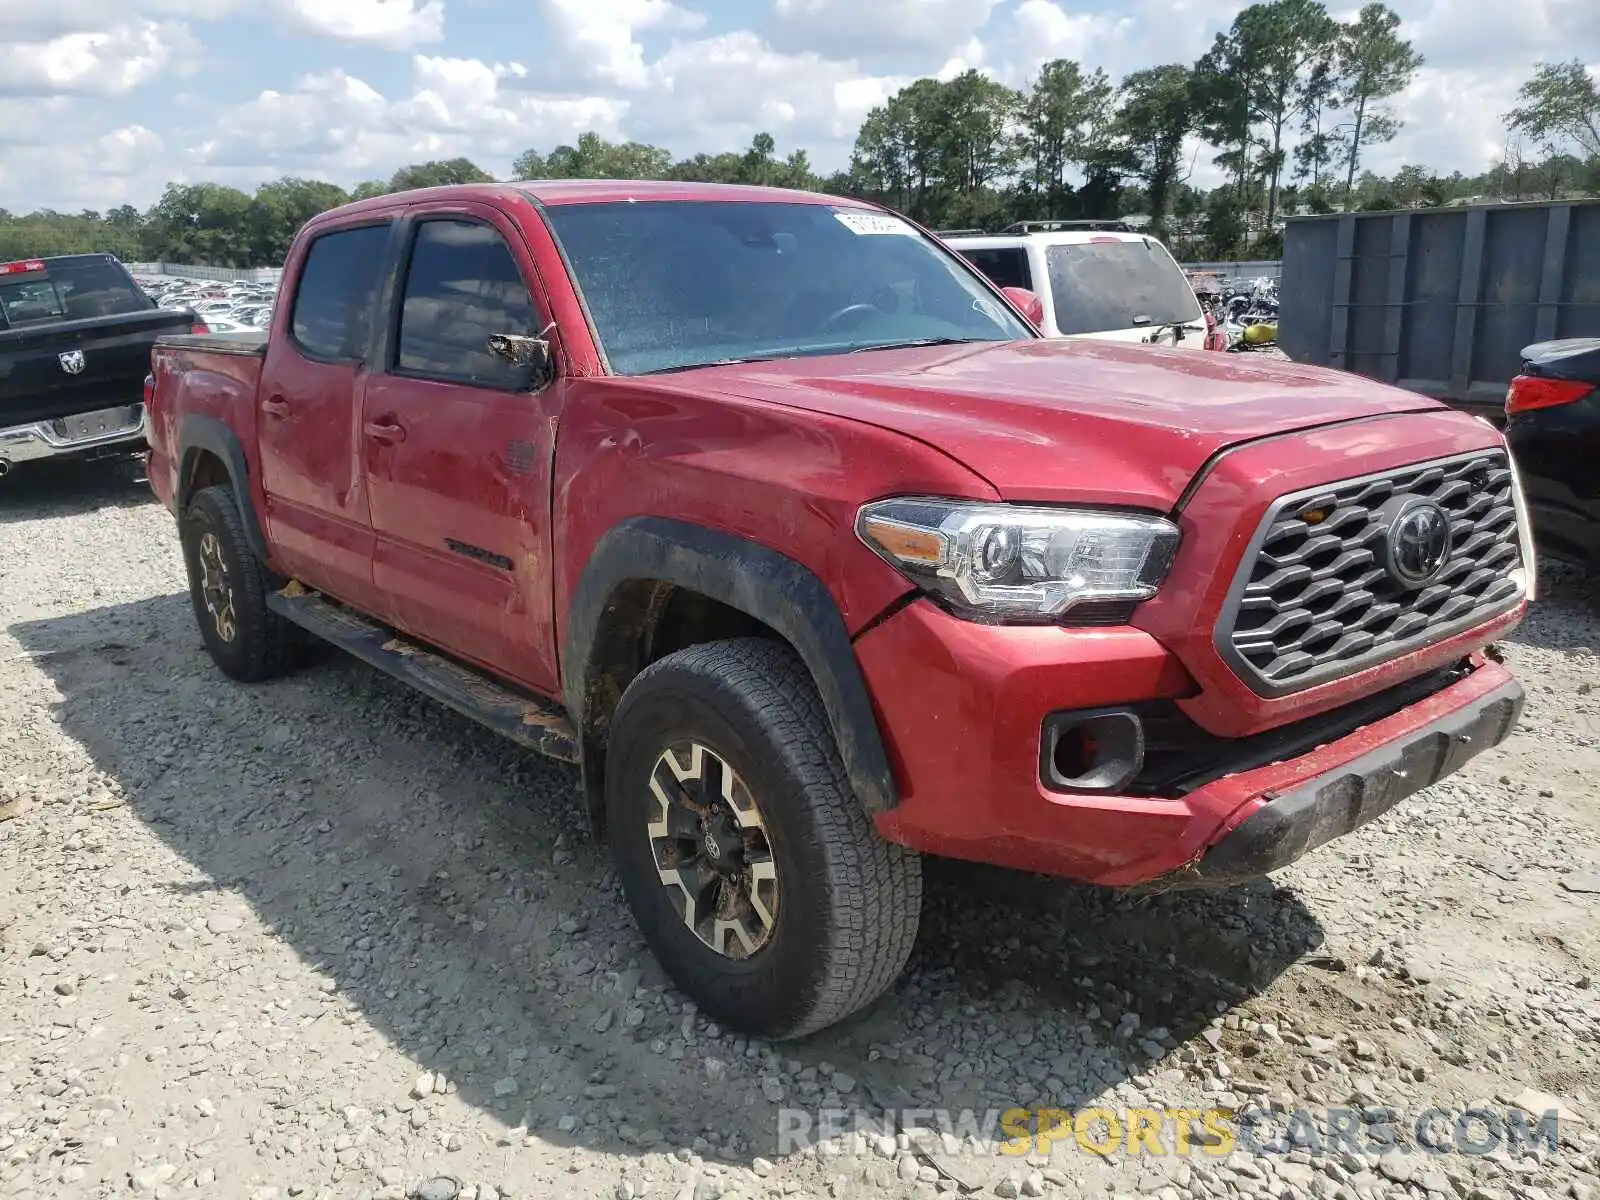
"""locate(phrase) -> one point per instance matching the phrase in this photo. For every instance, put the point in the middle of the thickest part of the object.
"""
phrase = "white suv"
(1096, 279)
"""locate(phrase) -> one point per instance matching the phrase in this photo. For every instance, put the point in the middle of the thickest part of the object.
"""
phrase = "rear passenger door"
(457, 446)
(309, 412)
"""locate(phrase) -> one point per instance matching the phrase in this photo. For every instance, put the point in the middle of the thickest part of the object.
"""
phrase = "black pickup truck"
(75, 336)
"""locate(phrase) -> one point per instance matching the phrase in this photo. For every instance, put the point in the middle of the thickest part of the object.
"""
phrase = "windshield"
(674, 284)
(1099, 286)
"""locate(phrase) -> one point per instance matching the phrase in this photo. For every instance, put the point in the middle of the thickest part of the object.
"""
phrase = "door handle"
(275, 406)
(385, 430)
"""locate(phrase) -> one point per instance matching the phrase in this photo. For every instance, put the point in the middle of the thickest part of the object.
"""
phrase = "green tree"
(594, 158)
(1225, 229)
(795, 172)
(1288, 40)
(973, 116)
(1373, 62)
(438, 174)
(369, 188)
(1220, 88)
(708, 168)
(938, 150)
(1559, 108)
(199, 223)
(1315, 153)
(758, 167)
(1156, 113)
(895, 152)
(281, 207)
(1255, 81)
(1063, 117)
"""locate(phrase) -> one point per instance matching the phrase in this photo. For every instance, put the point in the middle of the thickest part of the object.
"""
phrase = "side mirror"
(1032, 307)
(521, 350)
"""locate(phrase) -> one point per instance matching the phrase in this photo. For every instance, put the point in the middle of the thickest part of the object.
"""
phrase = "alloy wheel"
(215, 587)
(711, 850)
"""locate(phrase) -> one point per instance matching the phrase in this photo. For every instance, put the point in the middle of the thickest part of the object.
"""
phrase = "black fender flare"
(762, 583)
(199, 434)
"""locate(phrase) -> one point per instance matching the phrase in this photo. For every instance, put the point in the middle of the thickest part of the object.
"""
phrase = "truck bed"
(36, 380)
(252, 342)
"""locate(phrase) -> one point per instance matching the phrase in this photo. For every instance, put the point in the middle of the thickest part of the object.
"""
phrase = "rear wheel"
(228, 587)
(748, 862)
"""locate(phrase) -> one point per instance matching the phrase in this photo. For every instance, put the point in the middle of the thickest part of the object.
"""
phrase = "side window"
(462, 286)
(1005, 267)
(334, 298)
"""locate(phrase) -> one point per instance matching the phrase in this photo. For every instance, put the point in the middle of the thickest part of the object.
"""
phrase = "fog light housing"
(1091, 750)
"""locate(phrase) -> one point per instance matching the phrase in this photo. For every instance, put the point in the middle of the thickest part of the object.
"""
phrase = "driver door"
(458, 449)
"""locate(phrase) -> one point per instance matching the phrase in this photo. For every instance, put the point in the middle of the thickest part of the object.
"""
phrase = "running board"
(525, 719)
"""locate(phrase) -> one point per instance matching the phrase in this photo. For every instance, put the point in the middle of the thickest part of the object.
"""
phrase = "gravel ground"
(323, 938)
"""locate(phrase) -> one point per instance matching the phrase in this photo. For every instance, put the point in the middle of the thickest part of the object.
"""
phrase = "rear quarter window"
(1005, 266)
(1101, 286)
(71, 291)
(337, 288)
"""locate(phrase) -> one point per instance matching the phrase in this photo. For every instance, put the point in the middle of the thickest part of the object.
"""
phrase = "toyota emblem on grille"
(72, 362)
(1418, 544)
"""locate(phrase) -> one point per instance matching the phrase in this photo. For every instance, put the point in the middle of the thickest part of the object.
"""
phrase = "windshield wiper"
(721, 362)
(928, 341)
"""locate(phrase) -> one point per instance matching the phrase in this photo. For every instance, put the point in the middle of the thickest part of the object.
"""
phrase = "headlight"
(1003, 562)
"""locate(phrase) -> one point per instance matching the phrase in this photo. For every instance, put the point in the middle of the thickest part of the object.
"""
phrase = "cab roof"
(599, 191)
(1065, 237)
(555, 192)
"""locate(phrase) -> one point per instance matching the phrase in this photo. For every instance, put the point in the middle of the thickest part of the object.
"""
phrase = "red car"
(784, 524)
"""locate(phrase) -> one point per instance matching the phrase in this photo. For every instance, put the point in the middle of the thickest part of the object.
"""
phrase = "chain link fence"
(1265, 268)
(219, 274)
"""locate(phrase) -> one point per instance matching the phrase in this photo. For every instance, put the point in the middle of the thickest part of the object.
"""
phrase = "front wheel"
(747, 860)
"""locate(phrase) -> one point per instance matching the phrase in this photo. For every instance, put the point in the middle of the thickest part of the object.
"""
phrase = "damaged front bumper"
(1291, 823)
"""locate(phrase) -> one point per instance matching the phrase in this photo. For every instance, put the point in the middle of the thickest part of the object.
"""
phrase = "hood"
(1090, 421)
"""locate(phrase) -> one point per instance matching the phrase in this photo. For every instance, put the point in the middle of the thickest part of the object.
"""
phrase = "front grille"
(1315, 598)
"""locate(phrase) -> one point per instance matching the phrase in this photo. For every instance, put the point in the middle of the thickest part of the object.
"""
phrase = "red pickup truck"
(786, 526)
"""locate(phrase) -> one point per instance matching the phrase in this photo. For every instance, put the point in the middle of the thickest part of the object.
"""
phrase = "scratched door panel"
(457, 445)
(461, 511)
(308, 410)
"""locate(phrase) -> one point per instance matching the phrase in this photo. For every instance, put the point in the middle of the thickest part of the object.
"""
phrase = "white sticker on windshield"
(865, 222)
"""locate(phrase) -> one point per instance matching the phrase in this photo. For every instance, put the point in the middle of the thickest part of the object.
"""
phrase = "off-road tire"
(848, 901)
(264, 645)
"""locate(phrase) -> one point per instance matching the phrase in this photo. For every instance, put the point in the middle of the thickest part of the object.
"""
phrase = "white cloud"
(38, 20)
(31, 120)
(1452, 121)
(598, 39)
(851, 28)
(121, 166)
(974, 56)
(716, 93)
(1474, 35)
(807, 71)
(397, 24)
(333, 124)
(1121, 40)
(109, 63)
